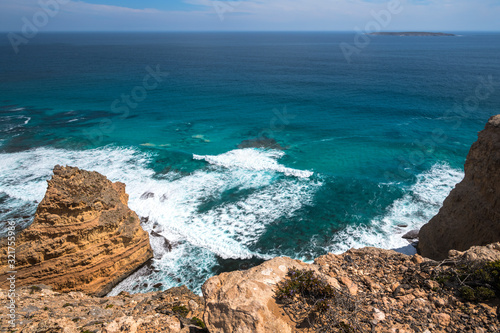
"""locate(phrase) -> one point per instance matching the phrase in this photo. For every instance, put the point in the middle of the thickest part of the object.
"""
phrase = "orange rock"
(84, 237)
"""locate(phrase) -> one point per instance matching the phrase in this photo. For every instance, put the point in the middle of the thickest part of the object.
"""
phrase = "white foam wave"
(9, 123)
(421, 202)
(192, 211)
(253, 159)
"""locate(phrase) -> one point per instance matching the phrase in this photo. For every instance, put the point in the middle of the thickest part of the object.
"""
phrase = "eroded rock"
(83, 237)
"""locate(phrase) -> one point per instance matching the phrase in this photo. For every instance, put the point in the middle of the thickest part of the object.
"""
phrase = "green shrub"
(474, 282)
(306, 285)
(198, 322)
(180, 310)
(109, 306)
(314, 303)
(34, 288)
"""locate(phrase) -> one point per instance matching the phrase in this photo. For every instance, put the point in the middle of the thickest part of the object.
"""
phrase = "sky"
(250, 15)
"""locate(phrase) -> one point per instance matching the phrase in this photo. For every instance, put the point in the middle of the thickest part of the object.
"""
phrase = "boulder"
(84, 236)
(243, 301)
(470, 215)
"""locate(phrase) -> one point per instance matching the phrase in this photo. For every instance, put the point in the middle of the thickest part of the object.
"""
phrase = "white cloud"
(262, 15)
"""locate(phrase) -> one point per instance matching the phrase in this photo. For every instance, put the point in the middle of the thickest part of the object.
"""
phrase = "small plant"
(198, 322)
(473, 282)
(109, 306)
(314, 303)
(87, 331)
(34, 288)
(45, 308)
(180, 310)
(304, 284)
(66, 305)
(467, 293)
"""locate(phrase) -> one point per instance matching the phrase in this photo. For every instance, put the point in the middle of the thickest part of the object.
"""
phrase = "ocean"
(359, 152)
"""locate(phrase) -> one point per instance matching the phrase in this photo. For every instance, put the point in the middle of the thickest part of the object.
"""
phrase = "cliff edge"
(83, 237)
(471, 213)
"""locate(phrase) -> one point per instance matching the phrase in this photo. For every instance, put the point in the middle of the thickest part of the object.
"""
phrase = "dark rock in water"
(147, 195)
(411, 234)
(167, 245)
(158, 285)
(164, 197)
(262, 142)
(144, 219)
(403, 225)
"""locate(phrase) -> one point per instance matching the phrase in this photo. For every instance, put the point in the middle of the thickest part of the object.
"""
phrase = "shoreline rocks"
(83, 237)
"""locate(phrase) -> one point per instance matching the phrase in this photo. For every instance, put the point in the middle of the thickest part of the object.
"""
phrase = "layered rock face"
(471, 213)
(84, 237)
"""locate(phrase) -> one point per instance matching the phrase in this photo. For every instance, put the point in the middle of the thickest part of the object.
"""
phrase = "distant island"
(412, 34)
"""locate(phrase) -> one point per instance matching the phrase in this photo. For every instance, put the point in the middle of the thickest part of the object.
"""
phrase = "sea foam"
(254, 159)
(185, 209)
(420, 203)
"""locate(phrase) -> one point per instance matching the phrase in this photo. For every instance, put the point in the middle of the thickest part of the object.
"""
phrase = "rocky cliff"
(83, 237)
(471, 213)
(374, 290)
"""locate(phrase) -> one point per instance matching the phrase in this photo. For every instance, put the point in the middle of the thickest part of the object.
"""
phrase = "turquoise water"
(371, 147)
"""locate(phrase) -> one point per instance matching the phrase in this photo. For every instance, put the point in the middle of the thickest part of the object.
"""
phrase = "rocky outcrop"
(390, 291)
(471, 213)
(488, 253)
(243, 301)
(83, 237)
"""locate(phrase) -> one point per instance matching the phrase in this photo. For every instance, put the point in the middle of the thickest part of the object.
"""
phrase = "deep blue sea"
(371, 147)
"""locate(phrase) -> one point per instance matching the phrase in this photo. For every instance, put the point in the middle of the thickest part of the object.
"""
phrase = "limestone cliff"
(471, 213)
(83, 237)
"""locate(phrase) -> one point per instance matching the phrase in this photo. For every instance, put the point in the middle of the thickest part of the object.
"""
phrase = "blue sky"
(207, 15)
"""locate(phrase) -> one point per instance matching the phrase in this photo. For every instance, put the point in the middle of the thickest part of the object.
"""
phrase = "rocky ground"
(381, 290)
(399, 293)
(40, 309)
